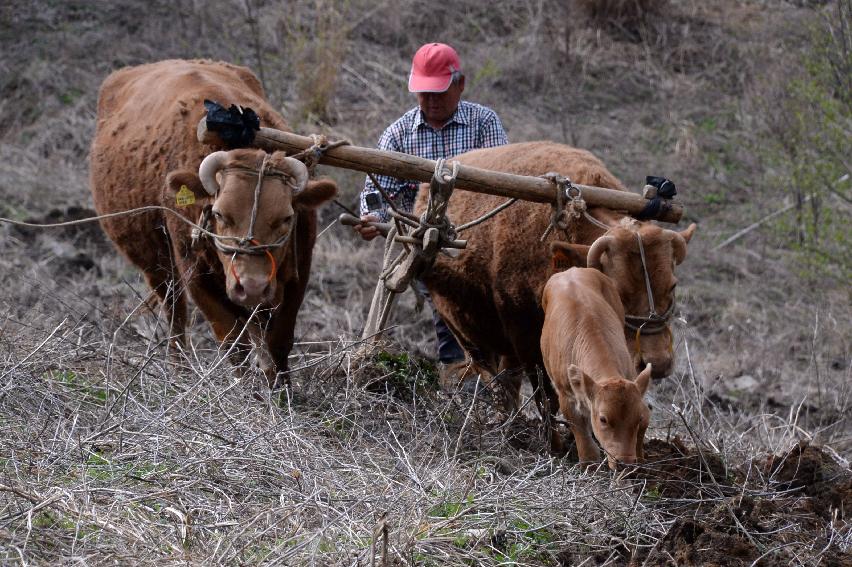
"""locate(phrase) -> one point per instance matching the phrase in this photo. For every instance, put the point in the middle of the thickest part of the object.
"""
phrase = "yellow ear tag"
(184, 197)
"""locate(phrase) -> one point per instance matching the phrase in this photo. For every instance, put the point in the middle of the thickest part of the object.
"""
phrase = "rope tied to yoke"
(569, 206)
(312, 155)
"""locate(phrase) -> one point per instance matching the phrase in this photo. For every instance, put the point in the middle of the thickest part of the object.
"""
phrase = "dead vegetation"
(114, 452)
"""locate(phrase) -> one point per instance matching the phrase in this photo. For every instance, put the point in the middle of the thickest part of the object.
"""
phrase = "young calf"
(586, 356)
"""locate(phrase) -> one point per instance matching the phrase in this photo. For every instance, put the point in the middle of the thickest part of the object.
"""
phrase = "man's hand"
(367, 232)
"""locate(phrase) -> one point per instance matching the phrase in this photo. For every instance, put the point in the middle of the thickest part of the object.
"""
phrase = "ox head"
(618, 255)
(616, 410)
(255, 217)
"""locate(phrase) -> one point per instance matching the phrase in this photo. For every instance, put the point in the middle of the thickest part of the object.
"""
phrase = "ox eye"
(278, 223)
(219, 217)
(603, 420)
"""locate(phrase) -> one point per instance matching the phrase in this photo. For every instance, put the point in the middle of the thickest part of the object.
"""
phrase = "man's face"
(437, 108)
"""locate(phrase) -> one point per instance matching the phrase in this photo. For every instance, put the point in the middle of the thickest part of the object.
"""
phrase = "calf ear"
(184, 192)
(315, 193)
(581, 383)
(565, 255)
(644, 379)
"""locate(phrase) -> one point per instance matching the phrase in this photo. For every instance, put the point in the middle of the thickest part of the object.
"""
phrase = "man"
(441, 126)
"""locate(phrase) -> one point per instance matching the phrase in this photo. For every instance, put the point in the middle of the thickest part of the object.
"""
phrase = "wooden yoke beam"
(405, 166)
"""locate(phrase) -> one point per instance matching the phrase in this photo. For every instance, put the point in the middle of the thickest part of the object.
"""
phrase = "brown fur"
(490, 295)
(145, 148)
(586, 356)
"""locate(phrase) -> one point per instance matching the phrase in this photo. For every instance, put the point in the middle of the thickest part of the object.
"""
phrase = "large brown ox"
(490, 295)
(145, 152)
(586, 356)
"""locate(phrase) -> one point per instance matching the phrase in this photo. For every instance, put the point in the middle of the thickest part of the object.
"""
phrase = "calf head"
(617, 254)
(616, 411)
(254, 201)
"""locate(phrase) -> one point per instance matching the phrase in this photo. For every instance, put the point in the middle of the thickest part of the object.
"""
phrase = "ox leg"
(225, 322)
(170, 292)
(548, 405)
(640, 446)
(279, 339)
(508, 384)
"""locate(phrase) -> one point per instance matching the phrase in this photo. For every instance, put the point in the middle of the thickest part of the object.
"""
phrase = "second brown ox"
(145, 153)
(490, 295)
(586, 356)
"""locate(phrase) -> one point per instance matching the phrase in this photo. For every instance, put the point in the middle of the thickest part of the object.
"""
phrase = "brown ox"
(490, 295)
(586, 356)
(145, 152)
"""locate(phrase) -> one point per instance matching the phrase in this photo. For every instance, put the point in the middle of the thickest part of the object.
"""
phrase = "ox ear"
(317, 192)
(679, 242)
(581, 383)
(565, 255)
(184, 191)
(690, 230)
(644, 379)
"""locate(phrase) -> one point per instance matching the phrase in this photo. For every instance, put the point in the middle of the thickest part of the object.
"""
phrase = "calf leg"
(587, 448)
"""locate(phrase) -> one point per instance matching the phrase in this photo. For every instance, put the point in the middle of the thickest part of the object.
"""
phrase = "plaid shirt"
(472, 126)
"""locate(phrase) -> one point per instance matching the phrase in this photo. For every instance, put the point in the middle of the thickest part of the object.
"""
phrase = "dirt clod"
(812, 471)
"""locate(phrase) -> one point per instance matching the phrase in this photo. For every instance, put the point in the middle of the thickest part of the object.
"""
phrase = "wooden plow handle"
(406, 166)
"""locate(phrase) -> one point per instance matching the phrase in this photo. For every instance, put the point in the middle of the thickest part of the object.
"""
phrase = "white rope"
(136, 211)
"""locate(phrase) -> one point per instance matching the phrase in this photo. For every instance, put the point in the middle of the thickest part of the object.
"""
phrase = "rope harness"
(653, 323)
(248, 244)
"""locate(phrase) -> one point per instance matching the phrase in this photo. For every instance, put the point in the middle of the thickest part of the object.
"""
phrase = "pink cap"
(432, 68)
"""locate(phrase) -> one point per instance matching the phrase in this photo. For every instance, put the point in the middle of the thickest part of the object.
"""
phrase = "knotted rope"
(570, 206)
(311, 156)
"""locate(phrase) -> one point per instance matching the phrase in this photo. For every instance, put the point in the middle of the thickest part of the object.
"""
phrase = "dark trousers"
(449, 349)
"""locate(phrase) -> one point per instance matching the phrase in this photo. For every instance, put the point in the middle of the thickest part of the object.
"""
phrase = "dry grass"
(115, 451)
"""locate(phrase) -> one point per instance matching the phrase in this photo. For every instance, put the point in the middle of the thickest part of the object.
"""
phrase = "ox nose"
(251, 289)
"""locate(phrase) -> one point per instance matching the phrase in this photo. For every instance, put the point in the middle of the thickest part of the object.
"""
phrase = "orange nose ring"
(273, 267)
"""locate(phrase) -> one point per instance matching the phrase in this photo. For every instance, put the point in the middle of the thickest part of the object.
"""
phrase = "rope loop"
(561, 217)
(312, 155)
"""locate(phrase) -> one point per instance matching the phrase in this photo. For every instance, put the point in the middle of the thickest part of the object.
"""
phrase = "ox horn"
(209, 168)
(597, 249)
(679, 242)
(298, 170)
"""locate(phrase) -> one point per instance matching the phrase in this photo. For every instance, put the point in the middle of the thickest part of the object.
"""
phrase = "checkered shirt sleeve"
(473, 126)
